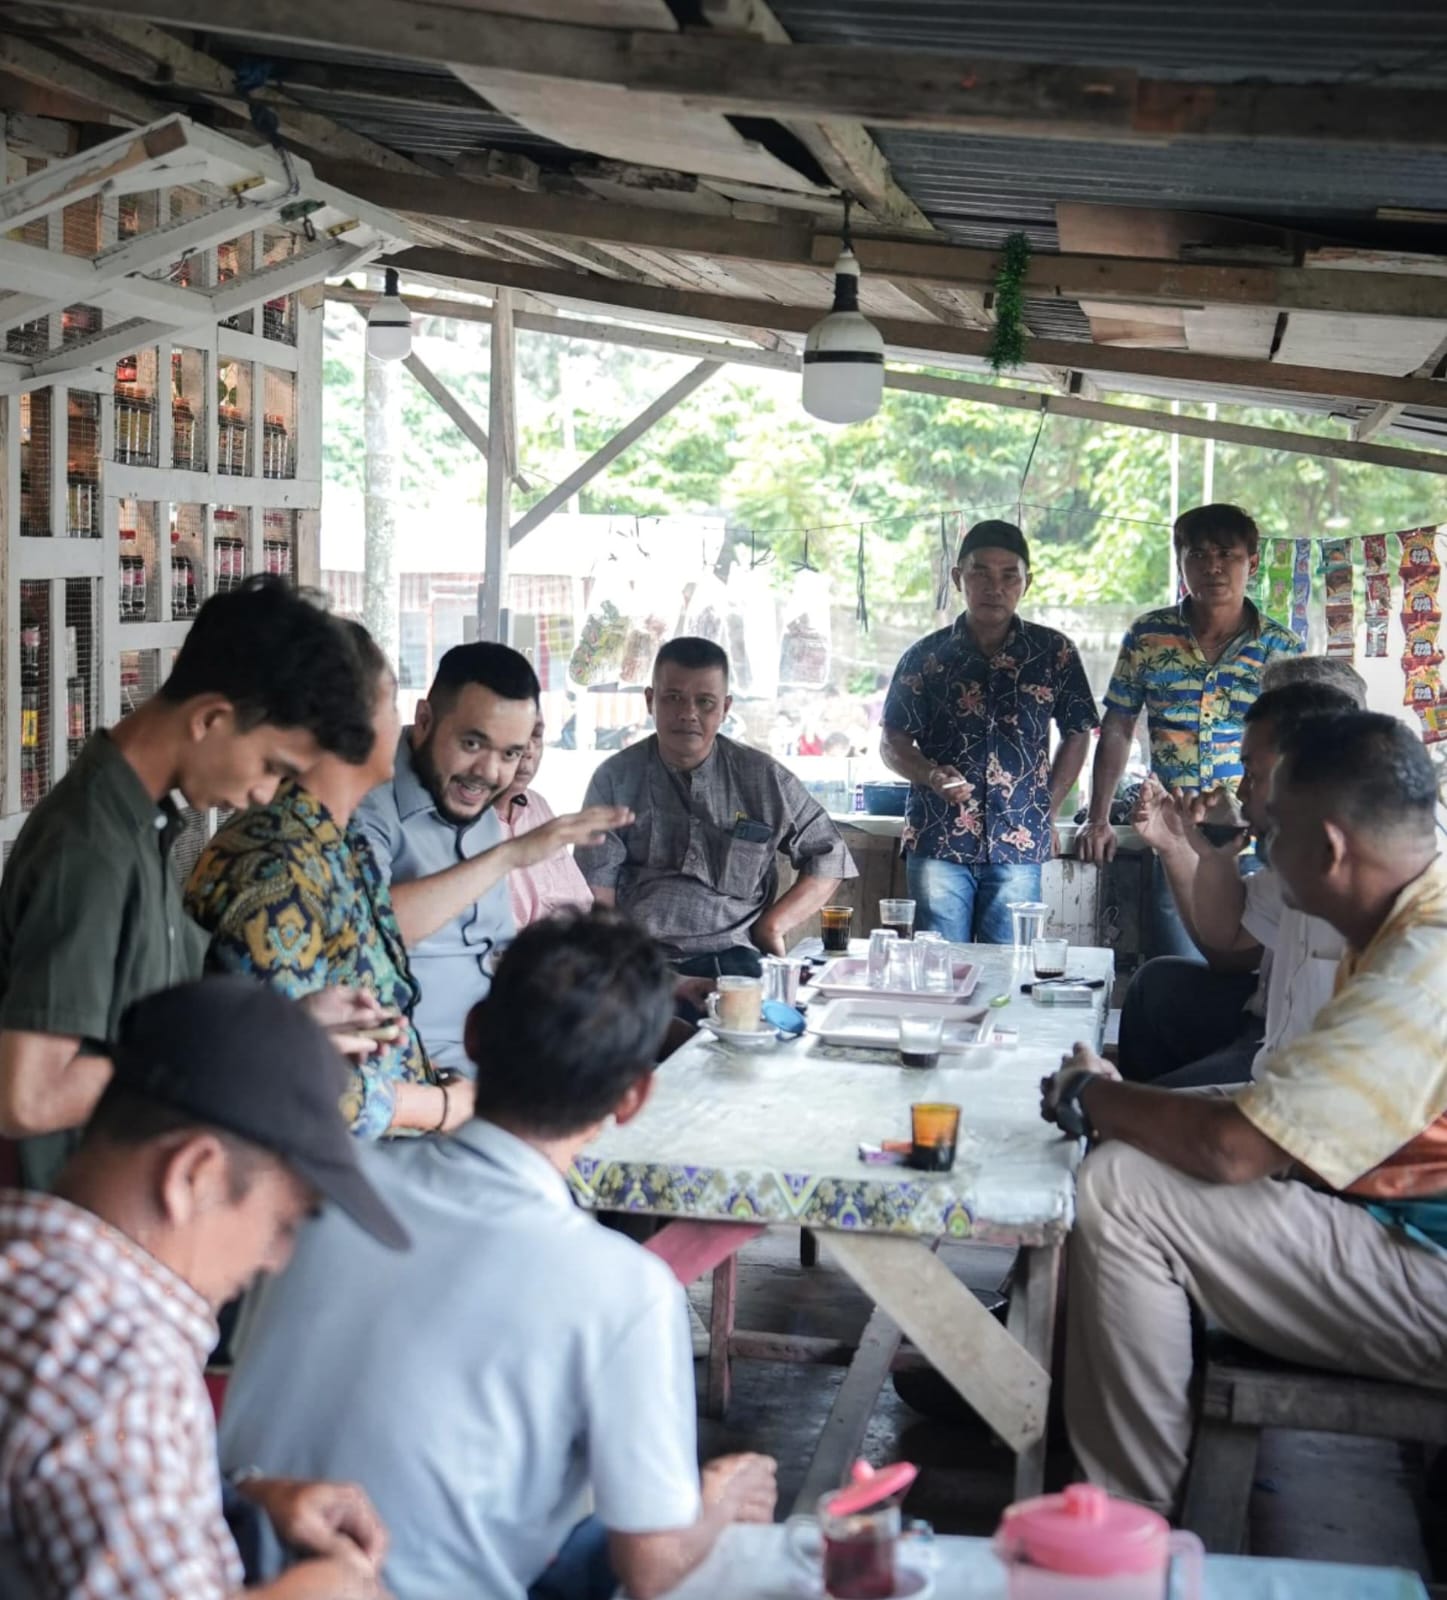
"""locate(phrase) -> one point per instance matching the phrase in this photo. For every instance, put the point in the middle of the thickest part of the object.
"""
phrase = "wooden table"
(733, 1143)
(752, 1563)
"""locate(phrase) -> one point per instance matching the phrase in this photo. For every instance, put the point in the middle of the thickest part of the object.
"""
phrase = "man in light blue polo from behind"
(436, 837)
(520, 1361)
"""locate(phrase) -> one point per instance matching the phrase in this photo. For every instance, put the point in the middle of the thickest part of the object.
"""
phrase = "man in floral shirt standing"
(967, 721)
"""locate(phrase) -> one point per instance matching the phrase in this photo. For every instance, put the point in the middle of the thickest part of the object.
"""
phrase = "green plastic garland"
(1007, 348)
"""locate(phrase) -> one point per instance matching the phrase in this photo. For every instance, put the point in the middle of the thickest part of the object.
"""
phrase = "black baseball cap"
(995, 536)
(237, 1055)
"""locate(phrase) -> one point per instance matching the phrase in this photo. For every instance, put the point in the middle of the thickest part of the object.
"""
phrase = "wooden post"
(501, 463)
(382, 425)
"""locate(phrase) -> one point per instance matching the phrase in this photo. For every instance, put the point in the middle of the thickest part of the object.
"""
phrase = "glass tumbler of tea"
(1049, 957)
(920, 1041)
(934, 1130)
(899, 915)
(834, 924)
(858, 1551)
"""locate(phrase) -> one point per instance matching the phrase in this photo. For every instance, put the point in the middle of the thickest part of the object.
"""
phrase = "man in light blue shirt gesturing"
(436, 836)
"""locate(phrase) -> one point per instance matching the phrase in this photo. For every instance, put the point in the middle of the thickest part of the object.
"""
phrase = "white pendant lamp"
(389, 325)
(844, 353)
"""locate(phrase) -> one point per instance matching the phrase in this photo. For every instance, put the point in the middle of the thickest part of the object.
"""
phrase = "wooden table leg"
(1034, 1297)
(854, 1403)
(1002, 1380)
(720, 1331)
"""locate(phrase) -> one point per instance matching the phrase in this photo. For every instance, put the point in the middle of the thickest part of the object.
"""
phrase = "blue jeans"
(581, 1569)
(969, 904)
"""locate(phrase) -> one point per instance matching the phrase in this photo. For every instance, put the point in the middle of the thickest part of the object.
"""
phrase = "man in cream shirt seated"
(1244, 921)
(521, 1359)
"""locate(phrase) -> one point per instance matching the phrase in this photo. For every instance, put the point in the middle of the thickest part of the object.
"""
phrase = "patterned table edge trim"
(919, 1207)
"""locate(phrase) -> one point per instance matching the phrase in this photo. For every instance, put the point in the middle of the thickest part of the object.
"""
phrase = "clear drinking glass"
(899, 968)
(1028, 921)
(937, 962)
(899, 915)
(920, 1040)
(1049, 957)
(880, 942)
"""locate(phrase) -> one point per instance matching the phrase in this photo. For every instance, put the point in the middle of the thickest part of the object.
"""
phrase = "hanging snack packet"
(1419, 551)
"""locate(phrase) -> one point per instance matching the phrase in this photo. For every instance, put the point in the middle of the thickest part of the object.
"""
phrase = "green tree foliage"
(1095, 504)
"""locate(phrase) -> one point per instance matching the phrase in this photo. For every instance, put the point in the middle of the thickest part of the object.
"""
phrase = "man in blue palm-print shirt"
(967, 721)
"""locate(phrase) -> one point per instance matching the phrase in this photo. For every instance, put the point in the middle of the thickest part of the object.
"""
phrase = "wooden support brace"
(848, 1418)
(998, 1377)
(601, 458)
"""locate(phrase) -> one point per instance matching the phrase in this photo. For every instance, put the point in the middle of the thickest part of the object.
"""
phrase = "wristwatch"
(1070, 1113)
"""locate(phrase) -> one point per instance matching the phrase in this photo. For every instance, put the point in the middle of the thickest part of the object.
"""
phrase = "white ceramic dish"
(755, 1043)
(873, 1024)
(848, 977)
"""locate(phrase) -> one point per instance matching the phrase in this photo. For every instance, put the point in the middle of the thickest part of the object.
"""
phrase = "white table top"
(729, 1136)
(753, 1563)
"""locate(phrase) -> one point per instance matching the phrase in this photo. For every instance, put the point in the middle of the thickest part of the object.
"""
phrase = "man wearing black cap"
(967, 721)
(219, 1132)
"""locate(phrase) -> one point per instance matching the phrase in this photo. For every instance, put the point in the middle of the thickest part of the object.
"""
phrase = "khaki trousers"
(1294, 1272)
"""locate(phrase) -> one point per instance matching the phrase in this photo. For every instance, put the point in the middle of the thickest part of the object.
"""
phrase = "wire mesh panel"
(31, 338)
(233, 430)
(82, 663)
(278, 543)
(137, 444)
(140, 587)
(278, 316)
(236, 259)
(230, 547)
(140, 678)
(36, 443)
(189, 843)
(278, 397)
(35, 707)
(188, 560)
(82, 464)
(138, 213)
(189, 409)
(80, 235)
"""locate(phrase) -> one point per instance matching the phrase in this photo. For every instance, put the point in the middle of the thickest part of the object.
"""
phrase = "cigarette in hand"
(955, 783)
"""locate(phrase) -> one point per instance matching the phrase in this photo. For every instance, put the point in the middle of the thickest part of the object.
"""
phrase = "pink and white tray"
(847, 977)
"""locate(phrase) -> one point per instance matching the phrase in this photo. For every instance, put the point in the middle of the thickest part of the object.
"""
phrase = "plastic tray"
(848, 977)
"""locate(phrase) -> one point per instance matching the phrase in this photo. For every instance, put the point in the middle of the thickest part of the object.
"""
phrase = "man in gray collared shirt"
(696, 868)
(438, 840)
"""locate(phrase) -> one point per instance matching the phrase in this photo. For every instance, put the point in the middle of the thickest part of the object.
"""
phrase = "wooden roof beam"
(1182, 366)
(1129, 280)
(891, 88)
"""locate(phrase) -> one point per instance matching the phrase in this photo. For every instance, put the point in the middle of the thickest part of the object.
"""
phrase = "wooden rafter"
(750, 77)
(1227, 372)
(712, 353)
(1129, 280)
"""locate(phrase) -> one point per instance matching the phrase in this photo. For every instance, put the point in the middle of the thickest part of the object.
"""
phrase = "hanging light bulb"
(844, 353)
(389, 325)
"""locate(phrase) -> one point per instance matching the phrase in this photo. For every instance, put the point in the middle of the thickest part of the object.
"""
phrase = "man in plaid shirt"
(220, 1132)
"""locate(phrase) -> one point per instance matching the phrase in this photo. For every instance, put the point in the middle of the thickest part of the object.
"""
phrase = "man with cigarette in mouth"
(967, 722)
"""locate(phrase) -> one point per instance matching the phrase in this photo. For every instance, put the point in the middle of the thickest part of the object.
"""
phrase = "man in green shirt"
(90, 910)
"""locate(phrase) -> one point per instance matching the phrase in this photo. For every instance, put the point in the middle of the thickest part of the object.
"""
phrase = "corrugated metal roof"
(967, 178)
(445, 131)
(1221, 40)
(408, 119)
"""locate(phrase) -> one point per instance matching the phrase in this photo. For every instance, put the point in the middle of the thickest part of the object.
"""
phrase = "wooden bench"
(1244, 1391)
